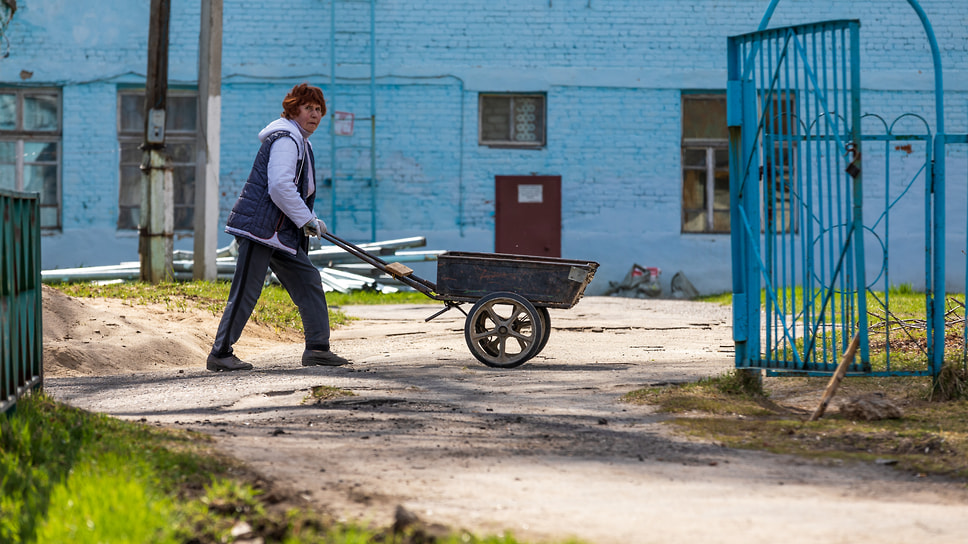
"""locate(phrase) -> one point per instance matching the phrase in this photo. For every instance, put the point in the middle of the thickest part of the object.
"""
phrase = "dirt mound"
(94, 337)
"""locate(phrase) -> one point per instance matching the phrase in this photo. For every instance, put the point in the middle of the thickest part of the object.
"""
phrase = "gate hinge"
(734, 103)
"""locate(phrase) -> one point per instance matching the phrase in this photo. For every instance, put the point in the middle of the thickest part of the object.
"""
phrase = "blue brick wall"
(612, 72)
(89, 186)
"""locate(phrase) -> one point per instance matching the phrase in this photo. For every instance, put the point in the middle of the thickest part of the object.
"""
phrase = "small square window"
(512, 120)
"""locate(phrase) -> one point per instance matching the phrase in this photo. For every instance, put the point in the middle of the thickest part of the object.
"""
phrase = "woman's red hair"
(299, 95)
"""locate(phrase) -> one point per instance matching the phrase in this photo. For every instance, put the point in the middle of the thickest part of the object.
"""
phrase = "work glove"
(315, 227)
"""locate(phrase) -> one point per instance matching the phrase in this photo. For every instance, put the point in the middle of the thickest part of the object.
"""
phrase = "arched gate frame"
(804, 284)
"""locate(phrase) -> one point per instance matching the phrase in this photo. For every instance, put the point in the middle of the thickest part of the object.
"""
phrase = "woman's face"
(309, 116)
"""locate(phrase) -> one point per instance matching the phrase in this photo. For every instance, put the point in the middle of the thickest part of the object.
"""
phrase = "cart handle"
(426, 287)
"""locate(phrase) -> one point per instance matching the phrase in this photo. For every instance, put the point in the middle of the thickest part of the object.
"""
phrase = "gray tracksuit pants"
(296, 273)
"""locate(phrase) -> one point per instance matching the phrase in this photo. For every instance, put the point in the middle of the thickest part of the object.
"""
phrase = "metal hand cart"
(509, 322)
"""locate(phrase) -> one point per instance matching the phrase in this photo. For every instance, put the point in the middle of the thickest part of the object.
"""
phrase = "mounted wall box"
(156, 126)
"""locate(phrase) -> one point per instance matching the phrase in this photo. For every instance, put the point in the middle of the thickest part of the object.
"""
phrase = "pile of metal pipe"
(339, 271)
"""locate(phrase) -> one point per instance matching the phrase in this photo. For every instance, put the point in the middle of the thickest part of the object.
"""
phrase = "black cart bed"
(509, 322)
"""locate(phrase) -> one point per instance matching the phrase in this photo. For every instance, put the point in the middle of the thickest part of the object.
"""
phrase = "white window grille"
(512, 120)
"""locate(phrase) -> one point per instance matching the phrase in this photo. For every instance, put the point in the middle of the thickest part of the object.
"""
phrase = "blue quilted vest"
(256, 217)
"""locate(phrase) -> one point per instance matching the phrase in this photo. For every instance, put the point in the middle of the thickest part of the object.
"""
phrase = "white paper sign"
(343, 123)
(530, 194)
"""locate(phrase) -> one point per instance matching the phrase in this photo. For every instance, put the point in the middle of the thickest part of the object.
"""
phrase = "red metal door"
(527, 215)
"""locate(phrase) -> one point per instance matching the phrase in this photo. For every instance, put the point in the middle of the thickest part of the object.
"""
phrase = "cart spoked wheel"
(503, 330)
(545, 317)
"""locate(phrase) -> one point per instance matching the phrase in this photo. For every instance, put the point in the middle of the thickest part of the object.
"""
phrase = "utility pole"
(208, 142)
(156, 228)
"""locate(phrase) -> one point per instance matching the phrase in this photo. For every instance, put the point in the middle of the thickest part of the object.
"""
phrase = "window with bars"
(30, 147)
(705, 164)
(512, 120)
(180, 132)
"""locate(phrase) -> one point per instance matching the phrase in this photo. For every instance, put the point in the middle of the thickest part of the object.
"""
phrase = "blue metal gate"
(811, 258)
(797, 204)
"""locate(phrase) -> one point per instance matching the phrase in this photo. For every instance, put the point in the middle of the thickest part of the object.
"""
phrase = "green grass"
(904, 302)
(723, 299)
(897, 330)
(320, 393)
(374, 297)
(75, 512)
(731, 394)
(275, 308)
(61, 467)
(931, 437)
(73, 476)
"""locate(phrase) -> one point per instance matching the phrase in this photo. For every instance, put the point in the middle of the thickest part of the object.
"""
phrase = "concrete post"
(208, 142)
(157, 217)
(156, 228)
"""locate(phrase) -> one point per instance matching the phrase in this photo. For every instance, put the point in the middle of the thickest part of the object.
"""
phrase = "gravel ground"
(545, 451)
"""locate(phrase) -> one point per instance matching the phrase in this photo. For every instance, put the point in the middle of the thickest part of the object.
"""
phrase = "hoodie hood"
(287, 125)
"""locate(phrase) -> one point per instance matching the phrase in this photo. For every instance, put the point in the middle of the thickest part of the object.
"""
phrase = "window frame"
(20, 137)
(173, 136)
(511, 142)
(710, 146)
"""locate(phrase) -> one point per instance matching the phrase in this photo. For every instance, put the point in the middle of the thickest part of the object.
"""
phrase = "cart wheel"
(503, 330)
(545, 319)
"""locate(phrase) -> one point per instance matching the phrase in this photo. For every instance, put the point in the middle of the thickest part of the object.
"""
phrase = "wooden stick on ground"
(835, 380)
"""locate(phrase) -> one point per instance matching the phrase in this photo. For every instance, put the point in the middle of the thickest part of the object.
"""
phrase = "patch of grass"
(67, 475)
(275, 308)
(905, 303)
(174, 295)
(326, 392)
(931, 437)
(723, 299)
(912, 443)
(733, 393)
(374, 297)
(952, 384)
(898, 442)
(93, 473)
(897, 328)
(75, 512)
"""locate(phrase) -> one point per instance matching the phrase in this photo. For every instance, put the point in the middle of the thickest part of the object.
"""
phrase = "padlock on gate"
(853, 169)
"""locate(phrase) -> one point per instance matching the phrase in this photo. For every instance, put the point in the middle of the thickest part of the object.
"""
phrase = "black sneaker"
(313, 357)
(222, 364)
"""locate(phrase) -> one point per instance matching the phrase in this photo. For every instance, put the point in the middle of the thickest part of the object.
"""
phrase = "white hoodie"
(283, 158)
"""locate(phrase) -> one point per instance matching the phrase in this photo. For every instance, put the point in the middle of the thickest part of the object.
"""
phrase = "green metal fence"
(21, 312)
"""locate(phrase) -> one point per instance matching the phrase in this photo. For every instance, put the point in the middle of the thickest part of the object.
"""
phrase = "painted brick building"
(596, 100)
